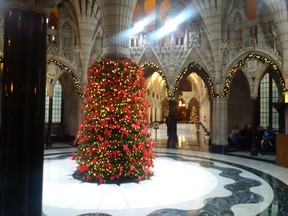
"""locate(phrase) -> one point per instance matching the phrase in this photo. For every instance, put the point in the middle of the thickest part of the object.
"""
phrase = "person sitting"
(259, 137)
(233, 138)
(268, 140)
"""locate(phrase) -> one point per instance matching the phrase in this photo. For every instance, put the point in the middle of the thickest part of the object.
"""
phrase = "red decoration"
(113, 141)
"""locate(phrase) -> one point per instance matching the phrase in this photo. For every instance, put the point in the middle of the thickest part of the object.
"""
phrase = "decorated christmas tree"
(193, 116)
(113, 140)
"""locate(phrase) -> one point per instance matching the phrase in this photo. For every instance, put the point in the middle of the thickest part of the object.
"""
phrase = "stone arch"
(203, 95)
(239, 97)
(71, 95)
(157, 90)
(241, 62)
(149, 68)
(193, 67)
(66, 67)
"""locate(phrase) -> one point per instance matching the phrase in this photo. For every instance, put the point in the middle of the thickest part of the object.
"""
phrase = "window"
(268, 94)
(179, 41)
(134, 42)
(56, 105)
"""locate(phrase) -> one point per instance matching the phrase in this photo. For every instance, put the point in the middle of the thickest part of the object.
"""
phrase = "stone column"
(254, 151)
(116, 20)
(23, 106)
(219, 125)
(171, 120)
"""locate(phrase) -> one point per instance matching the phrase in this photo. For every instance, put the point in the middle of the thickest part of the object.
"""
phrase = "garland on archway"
(229, 77)
(157, 70)
(113, 141)
(241, 63)
(206, 79)
(70, 72)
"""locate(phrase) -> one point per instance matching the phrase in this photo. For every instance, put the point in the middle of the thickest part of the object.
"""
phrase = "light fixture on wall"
(285, 97)
(181, 104)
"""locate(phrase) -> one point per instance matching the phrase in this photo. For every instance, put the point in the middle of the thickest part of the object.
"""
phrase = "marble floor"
(185, 182)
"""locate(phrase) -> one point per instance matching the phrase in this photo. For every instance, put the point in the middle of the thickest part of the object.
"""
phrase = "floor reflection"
(189, 137)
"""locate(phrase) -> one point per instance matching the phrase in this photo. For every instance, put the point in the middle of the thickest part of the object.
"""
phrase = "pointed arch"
(149, 68)
(276, 72)
(193, 67)
(66, 68)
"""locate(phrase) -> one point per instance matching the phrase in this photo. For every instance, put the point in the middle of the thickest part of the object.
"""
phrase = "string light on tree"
(113, 140)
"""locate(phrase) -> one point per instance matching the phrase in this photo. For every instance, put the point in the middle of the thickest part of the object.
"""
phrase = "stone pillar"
(23, 106)
(116, 20)
(219, 125)
(254, 151)
(171, 121)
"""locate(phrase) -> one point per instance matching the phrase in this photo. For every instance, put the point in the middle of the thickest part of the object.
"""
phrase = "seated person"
(234, 137)
(268, 140)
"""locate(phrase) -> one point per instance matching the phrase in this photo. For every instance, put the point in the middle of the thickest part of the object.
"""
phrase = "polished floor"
(186, 181)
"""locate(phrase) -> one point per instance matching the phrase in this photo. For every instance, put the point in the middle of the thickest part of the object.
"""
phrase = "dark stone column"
(23, 104)
(172, 125)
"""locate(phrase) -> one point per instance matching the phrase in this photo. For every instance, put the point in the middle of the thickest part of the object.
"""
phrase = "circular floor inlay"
(173, 182)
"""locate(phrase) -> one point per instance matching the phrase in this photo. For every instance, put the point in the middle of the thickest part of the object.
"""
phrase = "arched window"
(56, 105)
(268, 95)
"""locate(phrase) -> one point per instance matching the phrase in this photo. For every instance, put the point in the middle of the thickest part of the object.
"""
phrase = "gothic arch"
(149, 68)
(239, 97)
(193, 67)
(262, 55)
(65, 68)
(241, 62)
(157, 90)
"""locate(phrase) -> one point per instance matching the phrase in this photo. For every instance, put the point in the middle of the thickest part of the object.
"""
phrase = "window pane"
(46, 108)
(266, 103)
(57, 105)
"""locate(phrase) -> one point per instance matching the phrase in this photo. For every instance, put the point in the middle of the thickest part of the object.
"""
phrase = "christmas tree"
(193, 116)
(113, 140)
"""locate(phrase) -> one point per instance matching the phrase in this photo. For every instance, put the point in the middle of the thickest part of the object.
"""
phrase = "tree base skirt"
(81, 177)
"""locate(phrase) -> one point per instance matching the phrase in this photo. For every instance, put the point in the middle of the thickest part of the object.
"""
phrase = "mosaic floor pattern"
(185, 182)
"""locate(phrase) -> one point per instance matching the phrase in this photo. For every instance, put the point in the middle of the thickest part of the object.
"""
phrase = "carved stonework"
(252, 67)
(136, 53)
(66, 36)
(237, 18)
(194, 39)
(251, 41)
(52, 49)
(51, 71)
